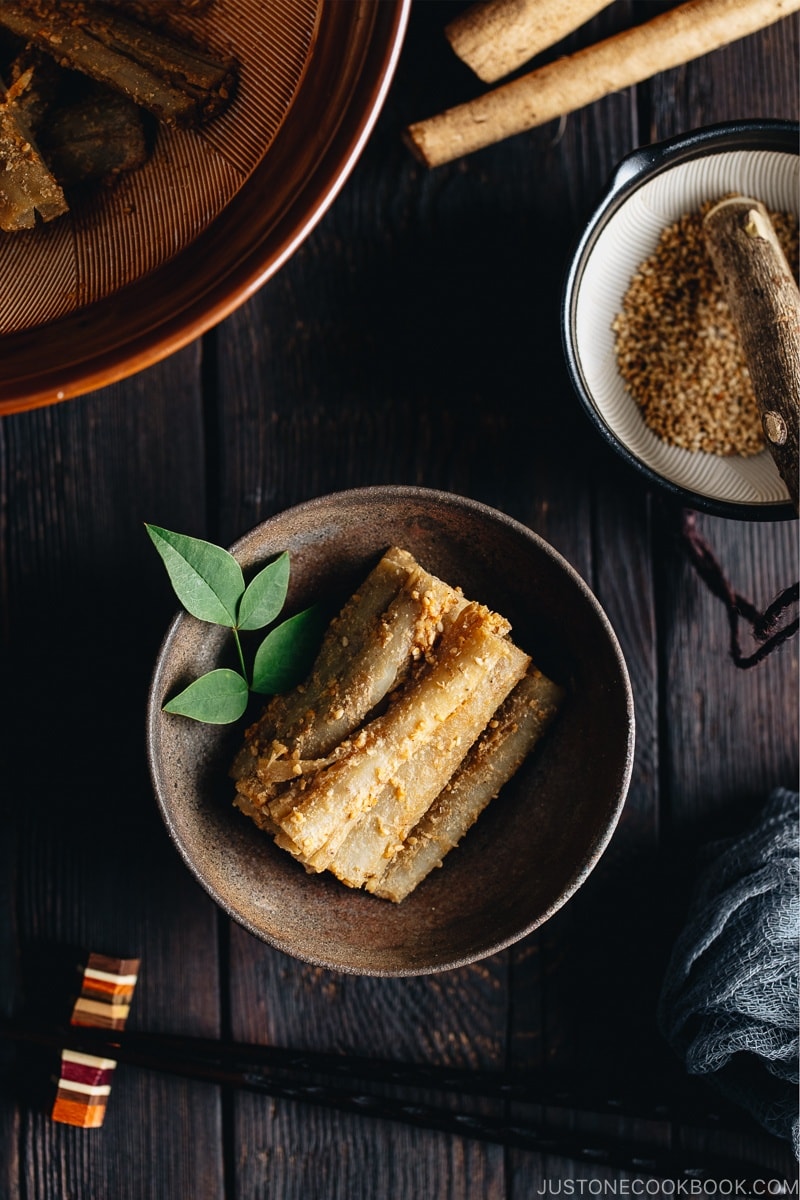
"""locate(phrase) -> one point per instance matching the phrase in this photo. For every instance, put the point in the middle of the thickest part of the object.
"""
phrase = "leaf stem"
(241, 655)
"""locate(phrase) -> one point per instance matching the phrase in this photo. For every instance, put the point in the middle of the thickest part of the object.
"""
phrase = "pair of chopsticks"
(305, 1076)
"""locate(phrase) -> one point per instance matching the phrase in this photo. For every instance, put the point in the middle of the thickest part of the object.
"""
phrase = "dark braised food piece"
(178, 84)
(94, 139)
(27, 188)
(85, 133)
(41, 82)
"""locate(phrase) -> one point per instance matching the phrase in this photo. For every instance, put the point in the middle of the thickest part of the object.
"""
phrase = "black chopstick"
(253, 1067)
(240, 1057)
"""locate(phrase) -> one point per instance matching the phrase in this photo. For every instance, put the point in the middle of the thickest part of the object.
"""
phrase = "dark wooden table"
(412, 339)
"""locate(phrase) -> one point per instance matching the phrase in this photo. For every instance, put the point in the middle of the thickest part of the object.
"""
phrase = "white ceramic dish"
(650, 190)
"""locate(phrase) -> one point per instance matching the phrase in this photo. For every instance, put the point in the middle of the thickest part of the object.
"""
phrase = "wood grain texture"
(727, 736)
(291, 1149)
(717, 713)
(586, 1009)
(414, 338)
(345, 390)
(710, 90)
(94, 871)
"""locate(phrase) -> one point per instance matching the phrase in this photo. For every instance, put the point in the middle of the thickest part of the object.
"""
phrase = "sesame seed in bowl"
(649, 340)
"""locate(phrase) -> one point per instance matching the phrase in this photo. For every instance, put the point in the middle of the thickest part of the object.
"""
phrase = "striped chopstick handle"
(83, 1089)
(106, 992)
(84, 1084)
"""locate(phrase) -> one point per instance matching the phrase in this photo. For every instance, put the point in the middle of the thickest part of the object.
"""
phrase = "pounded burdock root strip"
(294, 714)
(363, 849)
(178, 84)
(328, 803)
(380, 833)
(350, 635)
(499, 753)
(422, 611)
(27, 188)
(405, 631)
(400, 636)
(256, 812)
(667, 40)
(367, 651)
(253, 795)
(495, 37)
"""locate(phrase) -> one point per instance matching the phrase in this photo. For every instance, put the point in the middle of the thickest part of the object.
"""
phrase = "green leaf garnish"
(210, 585)
(284, 657)
(207, 580)
(217, 698)
(265, 595)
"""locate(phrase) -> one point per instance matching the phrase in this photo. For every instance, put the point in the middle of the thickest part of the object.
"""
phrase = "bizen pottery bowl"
(534, 845)
(650, 189)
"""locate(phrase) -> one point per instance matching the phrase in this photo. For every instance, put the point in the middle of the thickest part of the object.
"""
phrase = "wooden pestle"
(765, 305)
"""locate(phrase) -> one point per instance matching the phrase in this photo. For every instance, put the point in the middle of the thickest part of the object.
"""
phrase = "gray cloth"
(729, 1002)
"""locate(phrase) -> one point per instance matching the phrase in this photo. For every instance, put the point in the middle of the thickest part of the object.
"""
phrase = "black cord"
(764, 625)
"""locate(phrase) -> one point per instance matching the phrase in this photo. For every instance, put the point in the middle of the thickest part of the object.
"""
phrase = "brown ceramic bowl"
(534, 845)
(136, 271)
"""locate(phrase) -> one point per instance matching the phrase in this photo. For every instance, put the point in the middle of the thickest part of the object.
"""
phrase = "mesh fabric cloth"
(729, 1002)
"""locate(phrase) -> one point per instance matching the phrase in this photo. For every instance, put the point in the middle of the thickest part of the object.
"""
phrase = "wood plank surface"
(86, 606)
(413, 338)
(353, 384)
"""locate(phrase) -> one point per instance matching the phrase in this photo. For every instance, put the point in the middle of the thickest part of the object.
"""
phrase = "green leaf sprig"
(210, 585)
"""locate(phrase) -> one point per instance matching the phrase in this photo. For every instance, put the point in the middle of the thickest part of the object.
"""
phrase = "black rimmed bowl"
(530, 850)
(649, 190)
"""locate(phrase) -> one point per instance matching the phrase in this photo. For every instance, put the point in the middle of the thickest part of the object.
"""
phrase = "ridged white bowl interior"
(628, 237)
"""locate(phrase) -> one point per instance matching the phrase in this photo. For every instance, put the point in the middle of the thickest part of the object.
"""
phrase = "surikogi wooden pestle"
(765, 305)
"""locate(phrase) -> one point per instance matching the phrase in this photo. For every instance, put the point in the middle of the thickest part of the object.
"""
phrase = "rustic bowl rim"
(484, 512)
(636, 168)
